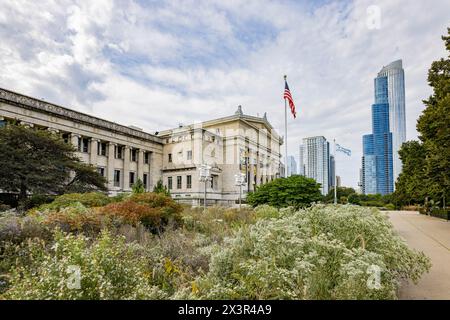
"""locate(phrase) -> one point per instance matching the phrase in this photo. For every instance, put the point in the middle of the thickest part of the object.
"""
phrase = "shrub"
(4, 207)
(296, 191)
(35, 200)
(317, 253)
(108, 268)
(90, 199)
(154, 211)
(75, 218)
(16, 229)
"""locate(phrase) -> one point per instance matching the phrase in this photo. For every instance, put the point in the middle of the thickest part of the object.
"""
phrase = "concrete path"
(432, 236)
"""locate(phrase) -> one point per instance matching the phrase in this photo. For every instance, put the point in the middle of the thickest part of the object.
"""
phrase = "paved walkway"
(432, 236)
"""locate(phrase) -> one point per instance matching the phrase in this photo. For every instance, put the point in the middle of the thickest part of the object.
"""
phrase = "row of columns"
(93, 157)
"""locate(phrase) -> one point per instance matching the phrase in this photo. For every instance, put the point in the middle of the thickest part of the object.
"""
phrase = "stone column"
(258, 169)
(140, 165)
(150, 181)
(94, 150)
(110, 168)
(251, 168)
(126, 168)
(74, 140)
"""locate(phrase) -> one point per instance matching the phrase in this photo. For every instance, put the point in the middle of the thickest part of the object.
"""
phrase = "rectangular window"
(101, 148)
(132, 177)
(189, 155)
(179, 182)
(133, 155)
(169, 183)
(101, 171)
(116, 178)
(85, 144)
(79, 144)
(118, 152)
(145, 181)
(65, 137)
(146, 157)
(189, 182)
(170, 157)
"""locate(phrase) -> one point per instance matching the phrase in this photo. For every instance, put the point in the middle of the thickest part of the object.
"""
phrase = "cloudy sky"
(156, 64)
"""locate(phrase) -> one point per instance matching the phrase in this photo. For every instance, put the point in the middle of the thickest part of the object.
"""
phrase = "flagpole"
(335, 174)
(285, 135)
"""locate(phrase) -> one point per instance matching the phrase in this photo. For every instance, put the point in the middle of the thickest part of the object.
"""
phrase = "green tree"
(160, 188)
(138, 187)
(434, 127)
(411, 184)
(39, 162)
(426, 163)
(296, 191)
(341, 192)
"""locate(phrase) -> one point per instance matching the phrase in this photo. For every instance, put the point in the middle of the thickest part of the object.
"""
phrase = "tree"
(426, 163)
(411, 184)
(342, 192)
(39, 162)
(296, 191)
(160, 188)
(434, 127)
(138, 187)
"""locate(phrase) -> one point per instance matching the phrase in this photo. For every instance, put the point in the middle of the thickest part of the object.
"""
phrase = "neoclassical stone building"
(236, 144)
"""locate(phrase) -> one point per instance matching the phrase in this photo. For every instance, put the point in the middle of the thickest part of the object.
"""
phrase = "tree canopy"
(296, 191)
(426, 163)
(39, 162)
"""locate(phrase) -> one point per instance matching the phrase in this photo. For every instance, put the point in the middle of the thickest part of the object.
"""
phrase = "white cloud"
(142, 64)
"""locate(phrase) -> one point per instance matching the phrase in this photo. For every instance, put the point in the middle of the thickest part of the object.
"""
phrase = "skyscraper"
(377, 168)
(331, 172)
(291, 166)
(316, 159)
(301, 161)
(395, 77)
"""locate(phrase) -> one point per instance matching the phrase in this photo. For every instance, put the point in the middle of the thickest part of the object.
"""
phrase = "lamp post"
(205, 176)
(240, 181)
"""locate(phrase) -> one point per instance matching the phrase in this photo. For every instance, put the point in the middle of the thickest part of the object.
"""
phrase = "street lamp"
(205, 176)
(240, 181)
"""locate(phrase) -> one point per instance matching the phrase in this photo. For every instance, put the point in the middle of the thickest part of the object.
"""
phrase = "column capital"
(112, 143)
(75, 135)
(95, 140)
(26, 124)
(53, 130)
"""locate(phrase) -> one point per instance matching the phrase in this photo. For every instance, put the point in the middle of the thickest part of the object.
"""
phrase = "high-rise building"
(331, 171)
(395, 78)
(301, 161)
(377, 171)
(316, 159)
(291, 166)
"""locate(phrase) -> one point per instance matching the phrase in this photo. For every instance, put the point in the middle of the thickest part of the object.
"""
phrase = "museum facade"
(237, 144)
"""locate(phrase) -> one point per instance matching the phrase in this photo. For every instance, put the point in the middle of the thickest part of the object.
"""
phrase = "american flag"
(288, 96)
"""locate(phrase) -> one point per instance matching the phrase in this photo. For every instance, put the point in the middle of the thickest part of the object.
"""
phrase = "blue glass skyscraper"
(377, 173)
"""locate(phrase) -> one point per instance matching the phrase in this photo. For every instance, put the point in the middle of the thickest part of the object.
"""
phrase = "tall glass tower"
(377, 163)
(395, 76)
(315, 155)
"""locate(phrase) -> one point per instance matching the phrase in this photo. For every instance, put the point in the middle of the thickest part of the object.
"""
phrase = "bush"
(75, 218)
(318, 253)
(295, 191)
(108, 268)
(154, 211)
(34, 201)
(4, 207)
(16, 229)
(90, 199)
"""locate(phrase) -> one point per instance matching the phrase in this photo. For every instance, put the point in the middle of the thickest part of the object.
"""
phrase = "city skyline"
(153, 66)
